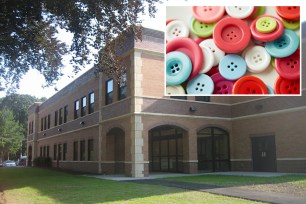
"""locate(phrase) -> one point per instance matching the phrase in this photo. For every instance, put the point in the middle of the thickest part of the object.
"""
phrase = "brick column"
(190, 152)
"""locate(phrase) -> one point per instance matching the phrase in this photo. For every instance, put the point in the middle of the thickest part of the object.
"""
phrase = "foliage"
(42, 162)
(29, 32)
(11, 133)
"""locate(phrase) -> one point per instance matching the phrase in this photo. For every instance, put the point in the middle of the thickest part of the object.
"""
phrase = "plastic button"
(208, 59)
(257, 59)
(284, 46)
(270, 90)
(289, 67)
(285, 86)
(175, 90)
(232, 67)
(218, 54)
(222, 85)
(266, 25)
(231, 35)
(178, 68)
(260, 11)
(239, 11)
(267, 37)
(292, 25)
(202, 29)
(176, 29)
(250, 85)
(288, 12)
(208, 14)
(191, 49)
(201, 84)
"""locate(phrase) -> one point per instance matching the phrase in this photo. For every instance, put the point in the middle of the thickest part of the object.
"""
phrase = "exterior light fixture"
(192, 109)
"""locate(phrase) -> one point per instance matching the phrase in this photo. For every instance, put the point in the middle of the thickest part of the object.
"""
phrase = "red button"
(232, 35)
(208, 14)
(267, 37)
(222, 85)
(250, 85)
(289, 12)
(285, 86)
(289, 67)
(191, 49)
(169, 20)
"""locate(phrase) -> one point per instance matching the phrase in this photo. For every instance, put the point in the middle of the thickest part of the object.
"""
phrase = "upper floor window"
(91, 108)
(49, 121)
(60, 117)
(83, 110)
(55, 118)
(65, 113)
(41, 124)
(179, 97)
(109, 91)
(45, 123)
(122, 87)
(203, 98)
(76, 109)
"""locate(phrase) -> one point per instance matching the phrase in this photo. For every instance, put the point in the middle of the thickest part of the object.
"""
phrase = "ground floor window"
(90, 150)
(75, 151)
(54, 151)
(64, 151)
(60, 152)
(82, 150)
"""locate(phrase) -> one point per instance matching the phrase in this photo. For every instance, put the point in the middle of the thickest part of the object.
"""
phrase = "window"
(82, 150)
(49, 121)
(60, 118)
(109, 91)
(83, 110)
(31, 127)
(55, 118)
(45, 123)
(64, 151)
(202, 98)
(44, 154)
(75, 151)
(48, 150)
(90, 150)
(179, 97)
(41, 152)
(60, 152)
(122, 87)
(91, 107)
(65, 113)
(42, 124)
(54, 151)
(76, 109)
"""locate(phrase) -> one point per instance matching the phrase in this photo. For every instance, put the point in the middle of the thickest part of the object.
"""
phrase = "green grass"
(33, 185)
(222, 180)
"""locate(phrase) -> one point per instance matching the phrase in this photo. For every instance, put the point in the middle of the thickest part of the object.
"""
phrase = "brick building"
(96, 125)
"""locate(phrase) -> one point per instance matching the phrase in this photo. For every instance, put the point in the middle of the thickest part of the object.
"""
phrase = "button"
(232, 67)
(288, 12)
(250, 85)
(202, 29)
(175, 90)
(239, 11)
(267, 37)
(283, 46)
(222, 85)
(208, 59)
(266, 25)
(285, 86)
(208, 14)
(273, 61)
(176, 29)
(292, 25)
(270, 90)
(191, 49)
(231, 35)
(218, 54)
(201, 84)
(169, 20)
(260, 11)
(257, 59)
(213, 71)
(178, 68)
(289, 67)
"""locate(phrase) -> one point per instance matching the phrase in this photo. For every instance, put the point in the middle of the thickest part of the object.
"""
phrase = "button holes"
(201, 26)
(205, 10)
(287, 87)
(254, 91)
(224, 87)
(295, 62)
(176, 65)
(287, 63)
(219, 88)
(201, 89)
(201, 23)
(177, 69)
(292, 66)
(172, 67)
(254, 57)
(173, 71)
(198, 84)
(290, 91)
(173, 33)
(292, 84)
(248, 89)
(228, 35)
(295, 88)
(203, 85)
(232, 63)
(232, 31)
(291, 60)
(228, 66)
(210, 9)
(258, 55)
(196, 89)
(235, 36)
(235, 66)
(260, 59)
(214, 50)
(289, 8)
(232, 69)
(231, 38)
(256, 61)
(179, 31)
(206, 26)
(175, 29)
(177, 35)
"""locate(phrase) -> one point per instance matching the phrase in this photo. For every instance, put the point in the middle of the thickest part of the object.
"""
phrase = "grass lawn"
(33, 185)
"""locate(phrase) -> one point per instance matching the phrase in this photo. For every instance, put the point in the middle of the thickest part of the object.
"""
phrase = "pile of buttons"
(223, 49)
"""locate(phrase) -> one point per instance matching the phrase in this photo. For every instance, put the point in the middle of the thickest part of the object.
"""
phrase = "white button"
(208, 59)
(176, 29)
(257, 59)
(218, 54)
(239, 11)
(175, 90)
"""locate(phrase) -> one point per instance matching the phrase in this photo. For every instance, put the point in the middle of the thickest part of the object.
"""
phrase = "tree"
(29, 29)
(11, 134)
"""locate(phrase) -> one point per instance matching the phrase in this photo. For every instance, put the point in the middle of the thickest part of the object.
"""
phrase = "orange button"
(250, 85)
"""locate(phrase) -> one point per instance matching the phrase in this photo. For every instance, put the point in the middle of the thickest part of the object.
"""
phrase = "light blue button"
(232, 67)
(201, 84)
(270, 90)
(178, 68)
(283, 46)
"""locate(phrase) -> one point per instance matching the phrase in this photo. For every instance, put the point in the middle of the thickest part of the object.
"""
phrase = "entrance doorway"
(264, 154)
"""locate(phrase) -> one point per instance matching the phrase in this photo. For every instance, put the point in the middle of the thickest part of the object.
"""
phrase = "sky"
(33, 81)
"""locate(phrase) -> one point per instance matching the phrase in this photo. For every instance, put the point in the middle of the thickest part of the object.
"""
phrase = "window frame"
(49, 121)
(122, 86)
(60, 116)
(91, 103)
(55, 118)
(65, 113)
(83, 106)
(76, 108)
(109, 94)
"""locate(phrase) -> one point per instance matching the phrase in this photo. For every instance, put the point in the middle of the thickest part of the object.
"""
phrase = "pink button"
(222, 85)
(289, 67)
(208, 14)
(267, 37)
(232, 35)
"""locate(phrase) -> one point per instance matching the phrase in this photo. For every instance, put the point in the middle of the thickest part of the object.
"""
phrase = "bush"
(42, 162)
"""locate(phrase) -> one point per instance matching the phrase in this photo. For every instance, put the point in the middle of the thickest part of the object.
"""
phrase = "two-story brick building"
(99, 126)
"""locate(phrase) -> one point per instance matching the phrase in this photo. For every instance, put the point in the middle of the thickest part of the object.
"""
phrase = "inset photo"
(232, 50)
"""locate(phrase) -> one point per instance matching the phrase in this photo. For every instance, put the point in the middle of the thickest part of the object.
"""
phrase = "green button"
(200, 29)
(273, 61)
(266, 25)
(292, 25)
(260, 11)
